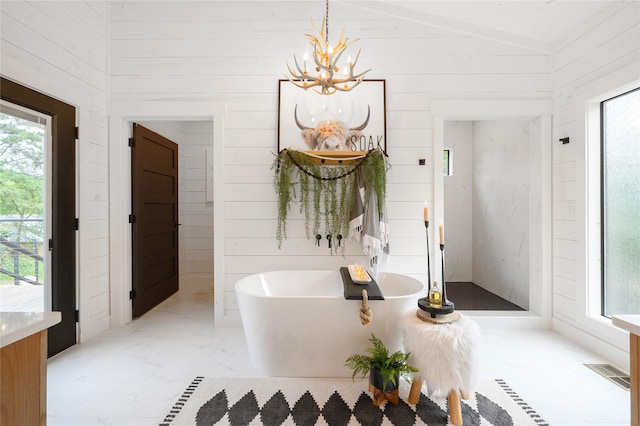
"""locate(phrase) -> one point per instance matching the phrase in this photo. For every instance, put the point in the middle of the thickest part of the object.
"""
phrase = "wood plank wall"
(608, 44)
(236, 52)
(60, 48)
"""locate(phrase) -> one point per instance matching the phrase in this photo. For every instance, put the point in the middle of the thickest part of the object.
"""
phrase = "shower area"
(488, 208)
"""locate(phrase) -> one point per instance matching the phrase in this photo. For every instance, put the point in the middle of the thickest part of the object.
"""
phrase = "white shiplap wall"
(608, 44)
(196, 214)
(236, 52)
(60, 49)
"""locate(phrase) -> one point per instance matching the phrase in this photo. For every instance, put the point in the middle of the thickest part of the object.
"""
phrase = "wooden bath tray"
(353, 291)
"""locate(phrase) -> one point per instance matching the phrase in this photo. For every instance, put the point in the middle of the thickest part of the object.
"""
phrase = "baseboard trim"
(518, 320)
(613, 354)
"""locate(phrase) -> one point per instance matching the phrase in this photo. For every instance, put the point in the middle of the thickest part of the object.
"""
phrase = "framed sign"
(344, 121)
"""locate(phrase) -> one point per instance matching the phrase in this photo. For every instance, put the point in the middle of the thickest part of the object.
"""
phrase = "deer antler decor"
(326, 59)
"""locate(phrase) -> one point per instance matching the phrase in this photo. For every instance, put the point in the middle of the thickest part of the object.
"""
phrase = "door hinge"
(132, 218)
(77, 315)
(132, 294)
(50, 244)
(77, 130)
(76, 223)
(132, 142)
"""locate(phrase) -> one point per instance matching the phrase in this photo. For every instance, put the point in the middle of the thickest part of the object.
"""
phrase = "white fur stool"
(445, 352)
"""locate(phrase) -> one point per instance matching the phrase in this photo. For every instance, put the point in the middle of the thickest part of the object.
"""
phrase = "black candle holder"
(423, 303)
(426, 227)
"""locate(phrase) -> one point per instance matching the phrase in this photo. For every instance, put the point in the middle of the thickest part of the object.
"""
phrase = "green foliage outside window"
(446, 162)
(21, 193)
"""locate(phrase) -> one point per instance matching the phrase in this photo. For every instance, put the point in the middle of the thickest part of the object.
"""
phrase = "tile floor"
(131, 376)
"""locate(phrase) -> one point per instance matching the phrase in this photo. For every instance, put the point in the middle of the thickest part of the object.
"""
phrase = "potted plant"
(385, 370)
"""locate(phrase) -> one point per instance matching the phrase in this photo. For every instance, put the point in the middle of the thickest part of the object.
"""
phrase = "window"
(620, 203)
(447, 166)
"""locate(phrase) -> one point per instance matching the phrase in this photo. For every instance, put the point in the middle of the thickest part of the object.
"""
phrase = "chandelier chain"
(326, 19)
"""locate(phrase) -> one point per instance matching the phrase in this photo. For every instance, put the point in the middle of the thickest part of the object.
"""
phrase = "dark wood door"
(63, 207)
(154, 198)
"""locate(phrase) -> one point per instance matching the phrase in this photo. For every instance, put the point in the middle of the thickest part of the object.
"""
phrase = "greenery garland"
(324, 193)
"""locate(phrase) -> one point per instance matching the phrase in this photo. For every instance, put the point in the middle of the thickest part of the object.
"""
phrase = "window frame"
(602, 196)
(62, 205)
(580, 314)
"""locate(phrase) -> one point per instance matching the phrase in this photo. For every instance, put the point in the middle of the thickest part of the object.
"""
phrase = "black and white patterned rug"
(277, 401)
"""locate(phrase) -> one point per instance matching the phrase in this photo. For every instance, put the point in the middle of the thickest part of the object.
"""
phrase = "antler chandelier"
(329, 76)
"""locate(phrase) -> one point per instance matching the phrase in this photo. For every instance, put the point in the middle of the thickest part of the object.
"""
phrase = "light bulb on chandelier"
(326, 58)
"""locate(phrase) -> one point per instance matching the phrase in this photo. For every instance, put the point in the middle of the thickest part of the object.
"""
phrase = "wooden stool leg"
(416, 390)
(455, 411)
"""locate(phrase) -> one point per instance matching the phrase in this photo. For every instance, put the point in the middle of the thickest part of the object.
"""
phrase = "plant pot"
(377, 381)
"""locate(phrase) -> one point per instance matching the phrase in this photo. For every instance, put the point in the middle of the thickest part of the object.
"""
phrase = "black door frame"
(63, 207)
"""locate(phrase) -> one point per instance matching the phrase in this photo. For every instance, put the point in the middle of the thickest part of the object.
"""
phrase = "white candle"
(441, 229)
(426, 212)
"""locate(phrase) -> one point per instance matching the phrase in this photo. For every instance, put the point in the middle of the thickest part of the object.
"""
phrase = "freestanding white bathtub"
(298, 323)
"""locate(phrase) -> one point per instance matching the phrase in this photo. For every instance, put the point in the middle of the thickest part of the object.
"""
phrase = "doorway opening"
(210, 115)
(195, 205)
(487, 207)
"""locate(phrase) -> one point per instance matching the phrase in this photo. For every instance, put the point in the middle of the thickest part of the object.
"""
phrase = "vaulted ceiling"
(535, 24)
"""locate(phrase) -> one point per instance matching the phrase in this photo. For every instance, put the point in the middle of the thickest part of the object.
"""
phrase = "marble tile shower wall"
(457, 209)
(501, 208)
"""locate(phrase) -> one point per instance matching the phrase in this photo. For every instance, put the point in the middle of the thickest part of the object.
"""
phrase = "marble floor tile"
(131, 376)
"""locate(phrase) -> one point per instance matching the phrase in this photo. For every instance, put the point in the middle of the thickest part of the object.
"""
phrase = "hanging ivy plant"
(324, 193)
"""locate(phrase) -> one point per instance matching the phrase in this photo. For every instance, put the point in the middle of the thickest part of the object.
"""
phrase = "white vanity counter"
(16, 326)
(628, 322)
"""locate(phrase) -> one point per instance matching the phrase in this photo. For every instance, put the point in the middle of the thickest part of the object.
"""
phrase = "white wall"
(501, 208)
(458, 209)
(607, 45)
(60, 49)
(196, 215)
(236, 52)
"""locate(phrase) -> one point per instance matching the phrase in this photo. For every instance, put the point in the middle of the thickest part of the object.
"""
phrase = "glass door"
(25, 222)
